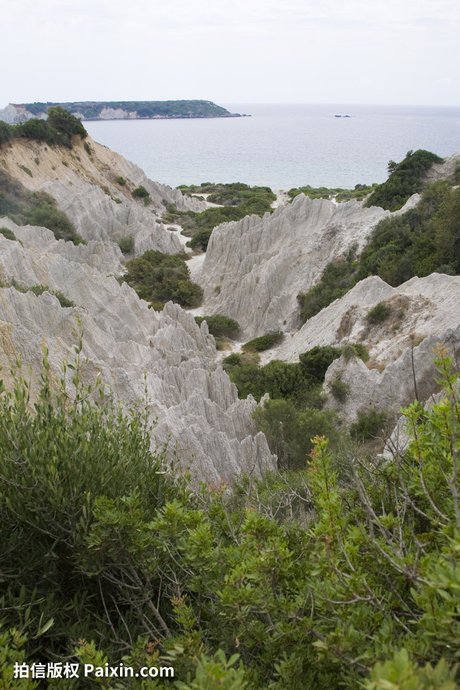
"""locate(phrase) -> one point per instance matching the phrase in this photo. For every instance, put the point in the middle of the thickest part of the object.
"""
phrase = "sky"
(232, 51)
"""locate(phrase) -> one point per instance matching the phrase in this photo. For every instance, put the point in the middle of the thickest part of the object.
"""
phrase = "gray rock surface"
(85, 182)
(137, 351)
(255, 268)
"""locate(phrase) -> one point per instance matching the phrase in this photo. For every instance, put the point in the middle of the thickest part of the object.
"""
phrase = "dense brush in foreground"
(342, 575)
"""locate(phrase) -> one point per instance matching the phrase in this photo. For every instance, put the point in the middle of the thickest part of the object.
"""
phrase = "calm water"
(283, 146)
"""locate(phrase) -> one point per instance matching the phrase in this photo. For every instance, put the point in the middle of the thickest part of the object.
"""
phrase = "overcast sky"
(267, 51)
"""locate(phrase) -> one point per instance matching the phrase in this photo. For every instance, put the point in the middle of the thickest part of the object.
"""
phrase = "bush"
(158, 278)
(339, 389)
(290, 431)
(220, 325)
(126, 244)
(46, 214)
(264, 342)
(379, 313)
(140, 193)
(406, 178)
(40, 289)
(368, 425)
(6, 132)
(9, 234)
(317, 361)
(120, 180)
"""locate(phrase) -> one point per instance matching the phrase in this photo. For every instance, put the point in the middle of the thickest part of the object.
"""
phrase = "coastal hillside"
(235, 513)
(103, 195)
(70, 217)
(14, 113)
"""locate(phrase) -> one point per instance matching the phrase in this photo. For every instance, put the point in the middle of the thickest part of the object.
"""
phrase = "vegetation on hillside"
(237, 199)
(91, 110)
(343, 574)
(34, 208)
(359, 192)
(419, 242)
(405, 178)
(293, 414)
(57, 130)
(158, 278)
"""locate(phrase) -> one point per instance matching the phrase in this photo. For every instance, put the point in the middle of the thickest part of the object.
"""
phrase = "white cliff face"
(87, 184)
(137, 351)
(424, 312)
(255, 268)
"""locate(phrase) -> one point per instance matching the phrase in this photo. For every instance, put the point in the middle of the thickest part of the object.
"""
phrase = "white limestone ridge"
(255, 268)
(135, 349)
(423, 312)
(93, 186)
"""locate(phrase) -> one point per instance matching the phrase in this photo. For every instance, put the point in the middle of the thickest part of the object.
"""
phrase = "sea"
(283, 146)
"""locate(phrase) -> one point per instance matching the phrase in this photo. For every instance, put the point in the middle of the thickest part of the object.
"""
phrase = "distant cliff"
(118, 110)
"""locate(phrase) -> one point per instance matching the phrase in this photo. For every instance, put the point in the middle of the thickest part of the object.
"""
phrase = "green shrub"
(126, 244)
(158, 278)
(9, 234)
(264, 342)
(337, 278)
(369, 425)
(379, 313)
(317, 361)
(27, 170)
(290, 431)
(6, 132)
(220, 325)
(45, 213)
(339, 389)
(140, 192)
(40, 289)
(406, 178)
(120, 180)
(351, 350)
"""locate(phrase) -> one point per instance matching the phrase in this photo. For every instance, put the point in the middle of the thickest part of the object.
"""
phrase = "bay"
(283, 146)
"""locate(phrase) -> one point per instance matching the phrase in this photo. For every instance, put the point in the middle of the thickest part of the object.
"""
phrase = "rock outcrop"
(255, 268)
(423, 312)
(160, 359)
(93, 186)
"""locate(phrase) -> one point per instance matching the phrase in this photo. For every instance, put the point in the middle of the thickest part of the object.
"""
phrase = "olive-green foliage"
(40, 289)
(379, 313)
(158, 278)
(339, 389)
(126, 244)
(417, 243)
(9, 234)
(34, 208)
(338, 277)
(120, 180)
(316, 361)
(140, 192)
(6, 132)
(58, 129)
(237, 199)
(406, 178)
(263, 342)
(345, 574)
(220, 325)
(359, 192)
(369, 425)
(290, 430)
